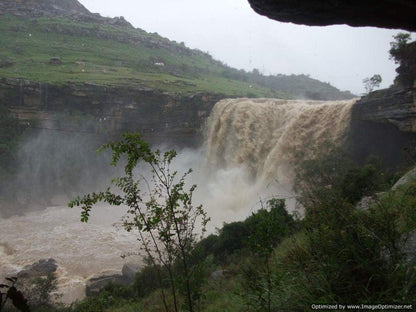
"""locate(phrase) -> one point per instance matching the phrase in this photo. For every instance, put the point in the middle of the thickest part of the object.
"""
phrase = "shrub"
(345, 254)
(160, 209)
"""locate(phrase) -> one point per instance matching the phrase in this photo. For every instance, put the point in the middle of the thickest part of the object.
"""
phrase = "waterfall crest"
(264, 135)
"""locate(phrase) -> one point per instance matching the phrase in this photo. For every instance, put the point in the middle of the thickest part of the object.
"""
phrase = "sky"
(233, 33)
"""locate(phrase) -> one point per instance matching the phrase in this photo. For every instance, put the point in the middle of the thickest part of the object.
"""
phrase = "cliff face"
(396, 107)
(160, 117)
(384, 124)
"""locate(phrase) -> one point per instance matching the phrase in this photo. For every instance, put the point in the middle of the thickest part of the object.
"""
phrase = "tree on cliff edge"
(371, 83)
(404, 54)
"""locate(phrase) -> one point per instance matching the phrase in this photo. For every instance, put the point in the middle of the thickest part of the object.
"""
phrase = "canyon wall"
(109, 110)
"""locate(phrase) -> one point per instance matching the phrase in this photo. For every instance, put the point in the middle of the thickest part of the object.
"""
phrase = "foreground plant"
(160, 210)
(16, 296)
(268, 227)
(348, 252)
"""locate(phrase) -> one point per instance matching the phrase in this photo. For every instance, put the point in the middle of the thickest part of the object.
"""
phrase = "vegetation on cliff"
(403, 53)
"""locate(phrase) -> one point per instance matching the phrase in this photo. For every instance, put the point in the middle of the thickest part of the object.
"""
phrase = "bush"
(98, 303)
(42, 291)
(267, 227)
(334, 175)
(345, 254)
(264, 229)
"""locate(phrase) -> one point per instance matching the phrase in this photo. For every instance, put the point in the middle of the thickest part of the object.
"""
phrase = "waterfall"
(248, 153)
(264, 136)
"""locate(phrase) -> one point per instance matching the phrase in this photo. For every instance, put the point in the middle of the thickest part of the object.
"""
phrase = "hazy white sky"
(234, 34)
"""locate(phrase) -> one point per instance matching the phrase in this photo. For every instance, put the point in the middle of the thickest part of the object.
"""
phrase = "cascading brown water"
(250, 144)
(264, 136)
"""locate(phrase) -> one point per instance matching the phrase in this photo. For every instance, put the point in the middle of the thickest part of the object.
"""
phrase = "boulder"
(98, 282)
(42, 268)
(407, 178)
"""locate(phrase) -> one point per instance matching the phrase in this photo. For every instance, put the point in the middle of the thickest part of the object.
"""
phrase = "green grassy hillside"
(60, 50)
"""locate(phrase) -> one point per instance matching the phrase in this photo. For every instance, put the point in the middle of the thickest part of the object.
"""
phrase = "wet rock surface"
(42, 268)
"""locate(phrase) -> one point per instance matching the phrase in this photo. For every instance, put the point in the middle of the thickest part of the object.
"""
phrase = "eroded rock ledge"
(378, 13)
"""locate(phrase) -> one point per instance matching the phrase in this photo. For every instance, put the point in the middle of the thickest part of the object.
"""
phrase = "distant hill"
(60, 42)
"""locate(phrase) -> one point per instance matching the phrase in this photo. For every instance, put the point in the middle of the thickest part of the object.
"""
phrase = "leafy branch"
(160, 210)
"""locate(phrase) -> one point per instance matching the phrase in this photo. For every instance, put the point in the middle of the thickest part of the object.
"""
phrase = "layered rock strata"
(384, 124)
(160, 117)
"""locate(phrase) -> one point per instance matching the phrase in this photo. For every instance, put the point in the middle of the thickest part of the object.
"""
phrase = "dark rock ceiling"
(395, 14)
